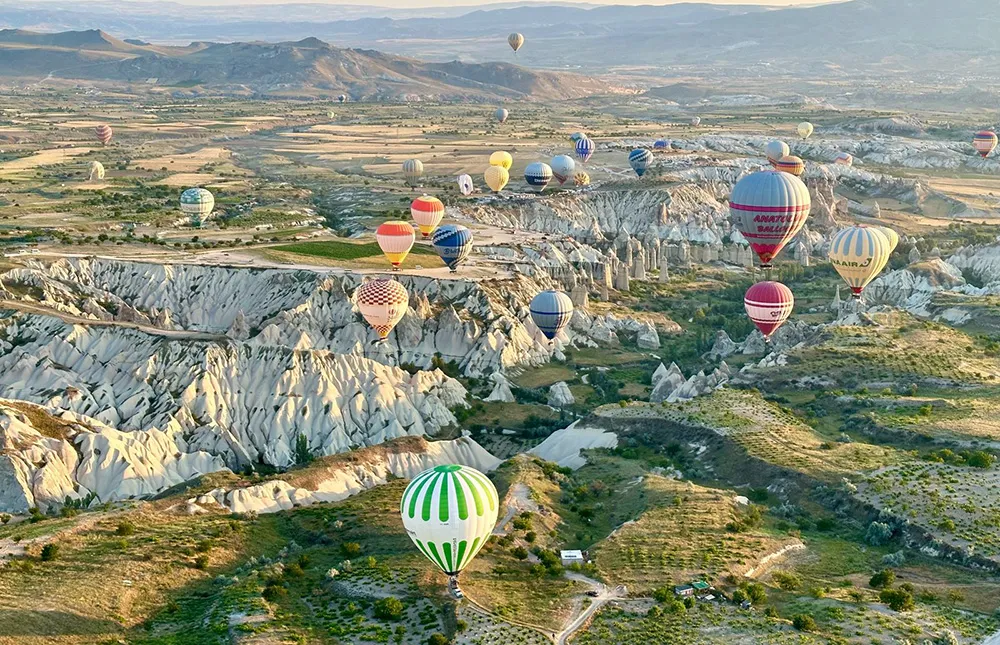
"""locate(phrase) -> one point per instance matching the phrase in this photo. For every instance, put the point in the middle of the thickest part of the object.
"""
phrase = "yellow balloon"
(496, 178)
(805, 129)
(859, 253)
(890, 235)
(502, 159)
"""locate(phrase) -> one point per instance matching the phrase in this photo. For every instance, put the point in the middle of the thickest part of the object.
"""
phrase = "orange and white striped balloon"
(427, 212)
(790, 164)
(395, 238)
(104, 133)
(383, 303)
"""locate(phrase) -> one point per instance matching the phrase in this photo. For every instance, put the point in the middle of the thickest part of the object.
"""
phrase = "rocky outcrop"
(670, 385)
(560, 395)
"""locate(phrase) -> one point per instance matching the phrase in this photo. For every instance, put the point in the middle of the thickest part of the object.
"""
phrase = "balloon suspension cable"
(766, 268)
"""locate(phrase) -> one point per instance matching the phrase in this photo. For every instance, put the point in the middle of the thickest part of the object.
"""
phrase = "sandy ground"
(48, 157)
(188, 162)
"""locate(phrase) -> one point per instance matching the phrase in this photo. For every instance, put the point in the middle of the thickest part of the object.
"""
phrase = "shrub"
(878, 533)
(804, 623)
(350, 549)
(437, 639)
(125, 528)
(50, 552)
(896, 559)
(520, 553)
(786, 581)
(274, 591)
(883, 579)
(388, 608)
(897, 599)
(201, 562)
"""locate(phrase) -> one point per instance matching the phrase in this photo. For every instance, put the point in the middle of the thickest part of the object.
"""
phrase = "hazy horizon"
(421, 4)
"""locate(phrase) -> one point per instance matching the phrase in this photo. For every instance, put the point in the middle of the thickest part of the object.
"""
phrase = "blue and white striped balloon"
(538, 174)
(585, 149)
(640, 159)
(453, 243)
(551, 312)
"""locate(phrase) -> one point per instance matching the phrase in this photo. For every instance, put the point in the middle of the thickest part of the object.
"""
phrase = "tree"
(804, 623)
(878, 533)
(756, 593)
(520, 553)
(125, 528)
(883, 579)
(50, 552)
(389, 608)
(350, 549)
(786, 581)
(437, 639)
(897, 599)
(662, 594)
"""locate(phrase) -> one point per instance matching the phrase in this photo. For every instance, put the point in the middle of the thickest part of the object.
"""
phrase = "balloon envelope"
(501, 114)
(197, 202)
(805, 129)
(859, 253)
(776, 150)
(984, 142)
(427, 212)
(585, 149)
(790, 164)
(383, 303)
(465, 185)
(640, 159)
(104, 133)
(449, 512)
(890, 235)
(413, 169)
(496, 178)
(661, 144)
(581, 178)
(551, 312)
(515, 41)
(538, 174)
(768, 304)
(502, 159)
(562, 167)
(576, 136)
(453, 243)
(96, 170)
(769, 208)
(696, 121)
(395, 238)
(844, 159)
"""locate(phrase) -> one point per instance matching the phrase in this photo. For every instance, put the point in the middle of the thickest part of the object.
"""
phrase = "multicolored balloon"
(515, 41)
(639, 159)
(453, 243)
(502, 159)
(395, 238)
(413, 169)
(581, 178)
(585, 149)
(197, 203)
(776, 150)
(985, 142)
(805, 130)
(465, 185)
(449, 512)
(859, 253)
(791, 164)
(844, 159)
(383, 303)
(427, 212)
(551, 311)
(496, 178)
(501, 115)
(768, 304)
(769, 208)
(538, 174)
(562, 168)
(104, 133)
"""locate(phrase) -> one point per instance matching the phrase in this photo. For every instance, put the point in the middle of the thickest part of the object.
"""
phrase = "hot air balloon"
(585, 149)
(696, 121)
(768, 305)
(984, 142)
(769, 208)
(342, 98)
(562, 168)
(844, 159)
(413, 169)
(890, 235)
(104, 133)
(640, 159)
(538, 174)
(515, 41)
(427, 212)
(383, 303)
(859, 253)
(576, 136)
(450, 512)
(581, 178)
(465, 185)
(790, 164)
(197, 203)
(496, 178)
(661, 144)
(502, 159)
(776, 150)
(395, 238)
(805, 129)
(331, 115)
(551, 312)
(96, 170)
(453, 243)
(501, 114)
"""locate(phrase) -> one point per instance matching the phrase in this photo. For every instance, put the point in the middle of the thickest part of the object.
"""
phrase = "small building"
(684, 591)
(571, 557)
(700, 586)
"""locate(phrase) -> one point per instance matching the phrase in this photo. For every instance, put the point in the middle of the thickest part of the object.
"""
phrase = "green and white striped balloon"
(449, 512)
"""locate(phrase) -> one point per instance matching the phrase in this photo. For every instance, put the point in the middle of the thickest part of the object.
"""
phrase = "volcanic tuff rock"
(560, 395)
(238, 402)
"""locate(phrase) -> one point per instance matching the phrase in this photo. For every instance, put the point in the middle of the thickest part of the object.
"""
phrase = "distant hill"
(306, 67)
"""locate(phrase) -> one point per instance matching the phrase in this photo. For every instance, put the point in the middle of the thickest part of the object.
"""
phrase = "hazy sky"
(410, 4)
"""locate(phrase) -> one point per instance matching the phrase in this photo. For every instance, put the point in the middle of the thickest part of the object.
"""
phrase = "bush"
(883, 579)
(896, 559)
(756, 593)
(437, 639)
(804, 623)
(388, 608)
(520, 553)
(786, 581)
(201, 562)
(274, 591)
(878, 533)
(50, 552)
(663, 594)
(125, 528)
(897, 599)
(350, 549)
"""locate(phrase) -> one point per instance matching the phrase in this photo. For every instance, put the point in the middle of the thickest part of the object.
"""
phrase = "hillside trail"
(518, 501)
(604, 595)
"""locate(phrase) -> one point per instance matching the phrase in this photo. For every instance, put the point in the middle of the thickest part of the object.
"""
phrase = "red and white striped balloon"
(768, 304)
(395, 238)
(427, 212)
(104, 133)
